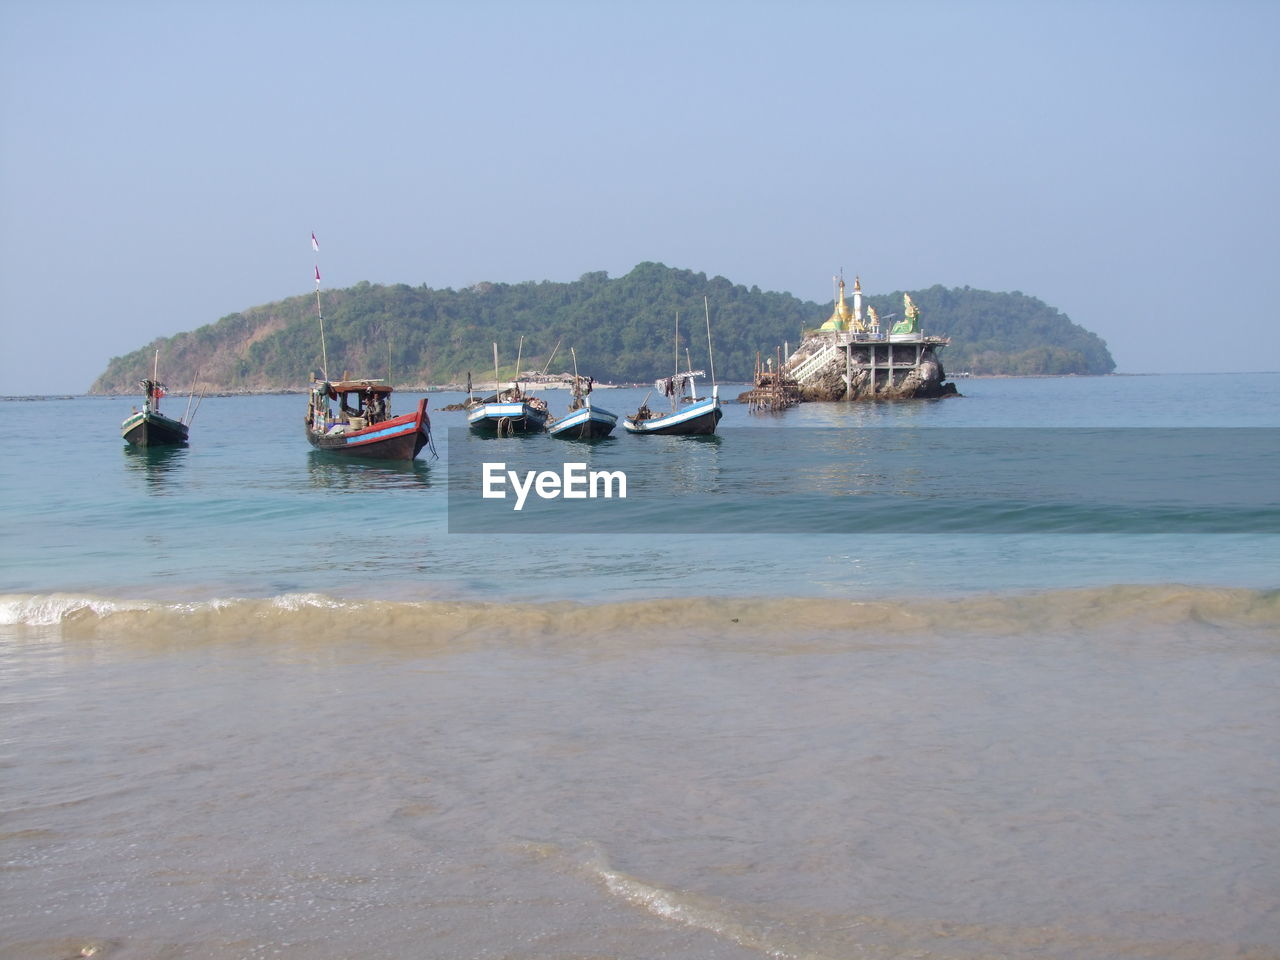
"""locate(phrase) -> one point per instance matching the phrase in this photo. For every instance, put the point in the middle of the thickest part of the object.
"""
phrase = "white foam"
(40, 610)
(690, 909)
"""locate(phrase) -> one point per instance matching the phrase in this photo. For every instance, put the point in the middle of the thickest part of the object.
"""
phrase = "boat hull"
(401, 438)
(501, 419)
(149, 429)
(587, 423)
(698, 419)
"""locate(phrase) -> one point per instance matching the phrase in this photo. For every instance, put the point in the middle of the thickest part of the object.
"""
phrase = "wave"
(782, 934)
(323, 617)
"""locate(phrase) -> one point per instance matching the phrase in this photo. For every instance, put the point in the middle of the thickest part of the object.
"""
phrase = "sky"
(164, 164)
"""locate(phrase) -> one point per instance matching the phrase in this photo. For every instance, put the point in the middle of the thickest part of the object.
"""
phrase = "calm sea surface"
(259, 703)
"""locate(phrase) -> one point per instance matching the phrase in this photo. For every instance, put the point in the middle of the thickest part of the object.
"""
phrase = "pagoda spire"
(840, 317)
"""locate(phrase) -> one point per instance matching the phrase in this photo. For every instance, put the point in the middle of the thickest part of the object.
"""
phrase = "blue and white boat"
(588, 422)
(690, 414)
(507, 413)
(696, 418)
(584, 421)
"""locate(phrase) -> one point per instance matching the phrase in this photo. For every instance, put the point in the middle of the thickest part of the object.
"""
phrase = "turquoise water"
(249, 510)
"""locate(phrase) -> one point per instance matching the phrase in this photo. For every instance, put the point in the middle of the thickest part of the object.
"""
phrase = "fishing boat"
(698, 417)
(506, 411)
(690, 414)
(149, 427)
(587, 422)
(363, 425)
(584, 421)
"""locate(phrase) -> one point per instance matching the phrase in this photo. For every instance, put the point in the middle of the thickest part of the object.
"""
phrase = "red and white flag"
(315, 244)
(317, 274)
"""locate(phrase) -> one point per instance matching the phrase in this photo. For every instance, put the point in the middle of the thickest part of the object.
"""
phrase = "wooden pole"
(203, 391)
(711, 360)
(577, 387)
(191, 396)
(547, 366)
(675, 370)
(324, 353)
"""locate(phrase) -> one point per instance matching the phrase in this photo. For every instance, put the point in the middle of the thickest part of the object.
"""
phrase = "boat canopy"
(351, 386)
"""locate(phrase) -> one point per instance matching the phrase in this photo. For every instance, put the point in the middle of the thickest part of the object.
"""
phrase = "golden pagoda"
(842, 318)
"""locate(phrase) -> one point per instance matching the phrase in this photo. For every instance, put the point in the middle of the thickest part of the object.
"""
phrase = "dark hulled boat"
(149, 427)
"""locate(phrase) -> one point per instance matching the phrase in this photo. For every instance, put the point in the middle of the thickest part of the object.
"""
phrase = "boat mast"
(324, 353)
(547, 365)
(711, 361)
(675, 373)
(153, 394)
(497, 389)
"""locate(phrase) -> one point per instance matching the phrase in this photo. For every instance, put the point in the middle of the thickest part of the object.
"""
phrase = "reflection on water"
(590, 441)
(688, 464)
(526, 437)
(158, 466)
(339, 473)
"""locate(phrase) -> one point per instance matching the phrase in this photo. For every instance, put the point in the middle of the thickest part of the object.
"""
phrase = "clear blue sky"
(164, 163)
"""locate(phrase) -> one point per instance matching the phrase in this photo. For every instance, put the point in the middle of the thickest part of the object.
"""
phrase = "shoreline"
(461, 387)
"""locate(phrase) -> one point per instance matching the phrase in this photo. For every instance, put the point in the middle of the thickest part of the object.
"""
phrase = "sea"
(992, 676)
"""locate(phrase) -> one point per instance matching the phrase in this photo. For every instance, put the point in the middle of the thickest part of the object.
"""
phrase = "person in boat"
(152, 392)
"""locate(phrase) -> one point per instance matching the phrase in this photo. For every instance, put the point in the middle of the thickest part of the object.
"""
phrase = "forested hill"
(621, 329)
